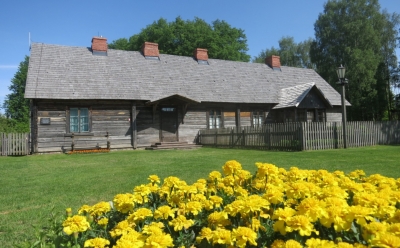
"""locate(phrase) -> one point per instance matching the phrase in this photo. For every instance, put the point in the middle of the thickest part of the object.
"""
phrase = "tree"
(291, 53)
(357, 35)
(15, 105)
(181, 37)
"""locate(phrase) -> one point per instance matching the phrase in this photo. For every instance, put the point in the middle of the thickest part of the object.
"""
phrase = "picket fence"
(303, 135)
(14, 144)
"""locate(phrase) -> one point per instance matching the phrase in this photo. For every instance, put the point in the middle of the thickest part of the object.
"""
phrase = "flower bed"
(272, 208)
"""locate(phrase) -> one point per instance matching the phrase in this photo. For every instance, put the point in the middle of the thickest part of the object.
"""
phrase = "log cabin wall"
(194, 119)
(52, 124)
(51, 131)
(334, 114)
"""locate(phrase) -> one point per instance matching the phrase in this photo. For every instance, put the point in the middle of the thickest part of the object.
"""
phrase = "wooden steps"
(172, 146)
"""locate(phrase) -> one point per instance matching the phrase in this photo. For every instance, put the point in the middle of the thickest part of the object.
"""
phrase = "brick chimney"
(150, 49)
(273, 61)
(99, 44)
(200, 54)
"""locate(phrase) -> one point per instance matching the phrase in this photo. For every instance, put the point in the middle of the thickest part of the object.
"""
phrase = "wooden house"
(91, 95)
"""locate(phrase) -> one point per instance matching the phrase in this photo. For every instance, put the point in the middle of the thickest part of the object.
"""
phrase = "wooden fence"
(14, 144)
(303, 135)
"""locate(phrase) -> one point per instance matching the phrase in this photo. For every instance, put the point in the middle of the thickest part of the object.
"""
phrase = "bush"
(13, 126)
(272, 208)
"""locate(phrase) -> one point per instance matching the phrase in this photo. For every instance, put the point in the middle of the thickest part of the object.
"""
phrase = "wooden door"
(169, 124)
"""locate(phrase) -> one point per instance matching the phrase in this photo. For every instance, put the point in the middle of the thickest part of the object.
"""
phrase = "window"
(317, 115)
(214, 119)
(321, 115)
(78, 120)
(310, 115)
(257, 119)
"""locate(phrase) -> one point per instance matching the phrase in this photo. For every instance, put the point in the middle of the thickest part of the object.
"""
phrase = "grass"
(32, 186)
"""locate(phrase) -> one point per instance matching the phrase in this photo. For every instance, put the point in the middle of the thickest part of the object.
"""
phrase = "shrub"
(272, 208)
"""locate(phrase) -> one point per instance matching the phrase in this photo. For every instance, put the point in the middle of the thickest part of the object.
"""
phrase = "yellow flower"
(216, 200)
(386, 240)
(241, 176)
(357, 174)
(360, 214)
(214, 175)
(201, 186)
(273, 194)
(396, 217)
(103, 222)
(296, 190)
(194, 207)
(266, 170)
(68, 212)
(373, 229)
(344, 245)
(154, 179)
(205, 233)
(231, 167)
(242, 235)
(234, 208)
(155, 228)
(74, 224)
(293, 244)
(218, 219)
(130, 239)
(84, 209)
(164, 212)
(222, 237)
(334, 191)
(159, 241)
(181, 222)
(295, 174)
(312, 208)
(301, 224)
(318, 243)
(254, 204)
(173, 182)
(122, 228)
(256, 225)
(100, 208)
(140, 215)
(278, 243)
(124, 202)
(394, 229)
(282, 215)
(97, 243)
(338, 217)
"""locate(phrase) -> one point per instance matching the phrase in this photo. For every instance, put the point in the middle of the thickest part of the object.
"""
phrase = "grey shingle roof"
(293, 96)
(63, 72)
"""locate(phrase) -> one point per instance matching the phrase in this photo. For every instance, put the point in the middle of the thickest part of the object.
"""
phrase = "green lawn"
(31, 186)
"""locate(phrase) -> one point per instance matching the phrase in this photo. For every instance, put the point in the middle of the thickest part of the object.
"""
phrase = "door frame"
(161, 137)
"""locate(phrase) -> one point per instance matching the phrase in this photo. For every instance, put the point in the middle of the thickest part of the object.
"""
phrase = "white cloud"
(8, 67)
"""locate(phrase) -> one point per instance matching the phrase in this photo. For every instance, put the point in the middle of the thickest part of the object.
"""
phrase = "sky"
(75, 22)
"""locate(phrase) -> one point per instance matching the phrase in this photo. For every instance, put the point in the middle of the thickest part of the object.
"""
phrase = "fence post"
(301, 136)
(215, 137)
(243, 138)
(232, 137)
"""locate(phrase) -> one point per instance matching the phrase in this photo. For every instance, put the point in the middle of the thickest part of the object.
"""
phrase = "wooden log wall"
(192, 121)
(112, 117)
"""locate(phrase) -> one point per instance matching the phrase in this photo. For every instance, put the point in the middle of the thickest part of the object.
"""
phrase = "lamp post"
(343, 81)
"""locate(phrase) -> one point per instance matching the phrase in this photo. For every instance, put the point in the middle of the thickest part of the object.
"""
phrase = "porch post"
(237, 115)
(133, 125)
